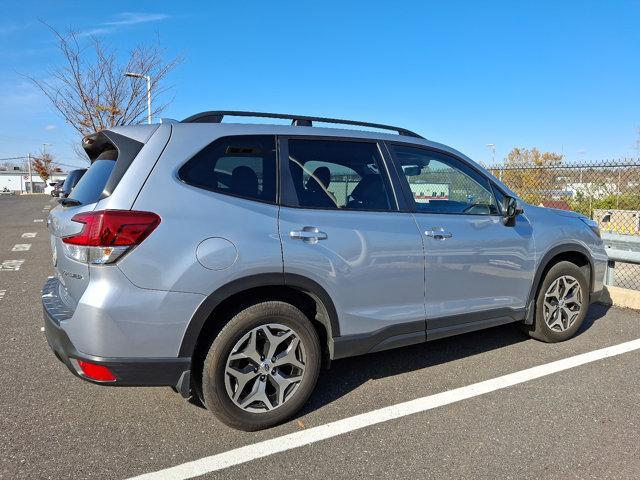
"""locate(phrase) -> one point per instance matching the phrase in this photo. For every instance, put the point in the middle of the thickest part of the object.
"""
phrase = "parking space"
(578, 422)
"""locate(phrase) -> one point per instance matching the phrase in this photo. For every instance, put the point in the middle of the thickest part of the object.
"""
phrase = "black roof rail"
(216, 116)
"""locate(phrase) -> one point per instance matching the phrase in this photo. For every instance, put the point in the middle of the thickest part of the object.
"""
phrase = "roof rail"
(216, 116)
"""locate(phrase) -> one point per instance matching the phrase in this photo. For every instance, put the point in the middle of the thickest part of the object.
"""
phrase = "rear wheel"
(262, 366)
(561, 304)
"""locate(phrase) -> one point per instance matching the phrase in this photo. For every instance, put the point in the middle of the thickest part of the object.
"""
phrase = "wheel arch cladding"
(571, 252)
(302, 292)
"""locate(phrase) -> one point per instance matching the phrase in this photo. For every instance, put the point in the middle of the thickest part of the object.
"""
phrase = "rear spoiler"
(109, 145)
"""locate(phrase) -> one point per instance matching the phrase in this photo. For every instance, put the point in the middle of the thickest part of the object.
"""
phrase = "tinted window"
(442, 184)
(338, 175)
(90, 186)
(244, 166)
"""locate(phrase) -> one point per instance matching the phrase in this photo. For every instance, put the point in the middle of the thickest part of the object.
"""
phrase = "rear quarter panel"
(166, 260)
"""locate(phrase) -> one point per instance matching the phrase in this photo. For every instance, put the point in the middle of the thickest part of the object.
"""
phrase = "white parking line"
(29, 234)
(11, 265)
(38, 220)
(2, 292)
(21, 247)
(305, 437)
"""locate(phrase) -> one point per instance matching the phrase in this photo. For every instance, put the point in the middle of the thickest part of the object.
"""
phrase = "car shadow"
(348, 374)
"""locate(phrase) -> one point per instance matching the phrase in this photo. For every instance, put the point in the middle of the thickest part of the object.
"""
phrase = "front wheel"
(262, 366)
(561, 304)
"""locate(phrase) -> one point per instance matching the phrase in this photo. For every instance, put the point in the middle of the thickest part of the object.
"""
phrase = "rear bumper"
(172, 372)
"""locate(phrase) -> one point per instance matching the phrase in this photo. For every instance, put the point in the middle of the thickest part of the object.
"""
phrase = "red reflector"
(113, 228)
(96, 372)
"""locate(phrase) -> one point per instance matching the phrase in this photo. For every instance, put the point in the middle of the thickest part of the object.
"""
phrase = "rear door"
(340, 226)
(478, 271)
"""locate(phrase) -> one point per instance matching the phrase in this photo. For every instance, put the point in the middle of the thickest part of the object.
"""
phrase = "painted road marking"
(312, 435)
(2, 292)
(21, 247)
(38, 220)
(47, 207)
(29, 234)
(11, 265)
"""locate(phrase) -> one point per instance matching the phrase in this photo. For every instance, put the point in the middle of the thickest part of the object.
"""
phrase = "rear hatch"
(110, 154)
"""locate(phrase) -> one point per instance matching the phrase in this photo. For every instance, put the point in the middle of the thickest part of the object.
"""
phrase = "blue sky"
(561, 76)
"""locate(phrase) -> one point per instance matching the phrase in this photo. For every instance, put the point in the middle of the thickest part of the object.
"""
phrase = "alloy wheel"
(562, 303)
(265, 368)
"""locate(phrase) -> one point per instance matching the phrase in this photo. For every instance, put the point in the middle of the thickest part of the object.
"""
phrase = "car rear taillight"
(108, 234)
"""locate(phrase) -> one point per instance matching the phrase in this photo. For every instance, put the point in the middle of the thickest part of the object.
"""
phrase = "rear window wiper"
(69, 202)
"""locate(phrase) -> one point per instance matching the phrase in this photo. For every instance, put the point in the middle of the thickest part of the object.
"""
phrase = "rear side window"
(243, 166)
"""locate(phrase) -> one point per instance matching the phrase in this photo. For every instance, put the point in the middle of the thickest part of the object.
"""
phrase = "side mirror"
(510, 210)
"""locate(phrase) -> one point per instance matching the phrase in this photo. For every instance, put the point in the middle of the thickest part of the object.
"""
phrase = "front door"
(478, 271)
(340, 227)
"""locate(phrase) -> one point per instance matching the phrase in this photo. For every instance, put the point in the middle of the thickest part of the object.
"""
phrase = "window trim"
(289, 197)
(275, 201)
(406, 190)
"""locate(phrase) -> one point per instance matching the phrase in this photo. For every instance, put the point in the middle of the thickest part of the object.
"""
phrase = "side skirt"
(443, 327)
(411, 333)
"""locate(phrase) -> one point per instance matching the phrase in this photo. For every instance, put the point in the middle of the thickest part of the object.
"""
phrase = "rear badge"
(72, 275)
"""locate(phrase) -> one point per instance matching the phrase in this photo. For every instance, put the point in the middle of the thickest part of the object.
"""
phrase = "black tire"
(214, 392)
(540, 330)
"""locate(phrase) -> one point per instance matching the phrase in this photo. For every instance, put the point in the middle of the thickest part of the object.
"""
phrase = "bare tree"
(90, 90)
(43, 165)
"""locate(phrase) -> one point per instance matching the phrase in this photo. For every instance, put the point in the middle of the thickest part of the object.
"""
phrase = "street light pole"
(492, 146)
(148, 79)
(30, 174)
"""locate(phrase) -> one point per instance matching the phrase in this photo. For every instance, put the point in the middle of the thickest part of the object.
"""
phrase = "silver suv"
(230, 261)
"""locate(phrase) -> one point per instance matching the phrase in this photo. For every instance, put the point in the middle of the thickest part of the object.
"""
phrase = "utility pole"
(30, 173)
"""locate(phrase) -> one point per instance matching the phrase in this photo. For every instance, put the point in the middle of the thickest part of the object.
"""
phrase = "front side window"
(439, 183)
(336, 174)
(243, 166)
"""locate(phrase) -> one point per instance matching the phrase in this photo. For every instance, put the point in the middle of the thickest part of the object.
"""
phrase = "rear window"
(90, 187)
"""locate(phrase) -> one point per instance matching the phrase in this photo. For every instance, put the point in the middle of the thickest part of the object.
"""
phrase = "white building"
(17, 181)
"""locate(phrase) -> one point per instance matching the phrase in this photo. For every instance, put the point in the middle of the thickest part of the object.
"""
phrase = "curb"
(621, 297)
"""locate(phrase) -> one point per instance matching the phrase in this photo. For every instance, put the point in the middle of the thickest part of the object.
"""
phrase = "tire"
(565, 325)
(247, 326)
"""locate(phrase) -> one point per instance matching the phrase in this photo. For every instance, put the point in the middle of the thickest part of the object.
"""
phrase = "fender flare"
(206, 308)
(542, 266)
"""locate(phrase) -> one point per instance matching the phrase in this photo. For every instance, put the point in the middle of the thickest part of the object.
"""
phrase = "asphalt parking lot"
(580, 421)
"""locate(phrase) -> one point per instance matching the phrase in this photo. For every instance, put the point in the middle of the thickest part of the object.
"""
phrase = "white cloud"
(130, 18)
(123, 20)
(50, 127)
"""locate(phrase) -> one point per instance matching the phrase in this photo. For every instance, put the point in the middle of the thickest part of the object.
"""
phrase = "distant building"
(425, 192)
(17, 181)
(559, 204)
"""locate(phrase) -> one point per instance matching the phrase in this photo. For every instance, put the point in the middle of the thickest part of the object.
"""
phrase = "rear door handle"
(438, 233)
(308, 234)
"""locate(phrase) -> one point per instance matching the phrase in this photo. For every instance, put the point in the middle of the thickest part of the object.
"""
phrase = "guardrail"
(622, 249)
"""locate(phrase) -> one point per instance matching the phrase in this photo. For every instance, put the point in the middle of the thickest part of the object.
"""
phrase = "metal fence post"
(610, 276)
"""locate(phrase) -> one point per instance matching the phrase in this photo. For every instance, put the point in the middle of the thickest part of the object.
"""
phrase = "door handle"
(308, 234)
(438, 233)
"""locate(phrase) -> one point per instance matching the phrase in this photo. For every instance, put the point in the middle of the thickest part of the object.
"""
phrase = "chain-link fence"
(607, 191)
